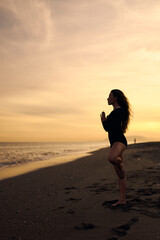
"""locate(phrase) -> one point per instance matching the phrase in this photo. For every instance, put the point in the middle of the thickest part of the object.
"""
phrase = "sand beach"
(72, 201)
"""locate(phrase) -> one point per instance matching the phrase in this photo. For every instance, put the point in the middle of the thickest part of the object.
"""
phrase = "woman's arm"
(104, 121)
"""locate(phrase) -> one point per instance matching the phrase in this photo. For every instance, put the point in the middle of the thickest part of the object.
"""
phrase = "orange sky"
(60, 59)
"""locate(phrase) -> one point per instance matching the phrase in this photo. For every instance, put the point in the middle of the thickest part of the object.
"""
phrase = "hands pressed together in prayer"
(103, 117)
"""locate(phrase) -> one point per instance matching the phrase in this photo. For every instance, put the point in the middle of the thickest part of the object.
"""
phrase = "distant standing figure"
(116, 124)
(134, 140)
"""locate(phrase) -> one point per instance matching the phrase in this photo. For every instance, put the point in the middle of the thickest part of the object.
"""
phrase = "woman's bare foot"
(119, 203)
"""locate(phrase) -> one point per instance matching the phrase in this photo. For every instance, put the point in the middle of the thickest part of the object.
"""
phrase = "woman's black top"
(112, 125)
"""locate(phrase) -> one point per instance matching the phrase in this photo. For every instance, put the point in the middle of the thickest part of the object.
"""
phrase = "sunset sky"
(61, 58)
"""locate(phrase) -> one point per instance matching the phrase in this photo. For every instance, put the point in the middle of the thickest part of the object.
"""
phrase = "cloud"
(48, 111)
(8, 19)
(25, 23)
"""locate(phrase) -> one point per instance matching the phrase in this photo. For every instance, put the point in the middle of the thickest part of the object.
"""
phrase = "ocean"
(16, 153)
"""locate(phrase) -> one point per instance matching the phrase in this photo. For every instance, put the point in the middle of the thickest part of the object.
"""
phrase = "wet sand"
(73, 200)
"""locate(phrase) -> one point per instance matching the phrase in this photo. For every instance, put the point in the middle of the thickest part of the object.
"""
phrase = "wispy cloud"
(25, 22)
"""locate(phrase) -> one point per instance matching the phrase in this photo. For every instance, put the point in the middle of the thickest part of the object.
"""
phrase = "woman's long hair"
(125, 105)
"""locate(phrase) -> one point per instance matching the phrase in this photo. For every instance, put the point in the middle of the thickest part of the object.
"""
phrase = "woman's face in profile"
(111, 99)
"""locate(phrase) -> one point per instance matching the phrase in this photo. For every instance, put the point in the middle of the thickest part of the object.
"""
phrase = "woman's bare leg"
(116, 158)
(122, 189)
(122, 185)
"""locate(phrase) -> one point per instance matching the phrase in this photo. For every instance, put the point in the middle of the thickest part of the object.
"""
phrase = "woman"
(116, 124)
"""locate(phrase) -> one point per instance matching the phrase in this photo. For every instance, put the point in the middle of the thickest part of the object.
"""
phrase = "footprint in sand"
(121, 230)
(94, 185)
(142, 207)
(61, 207)
(67, 192)
(73, 199)
(71, 211)
(97, 188)
(13, 238)
(70, 188)
(113, 238)
(103, 179)
(84, 226)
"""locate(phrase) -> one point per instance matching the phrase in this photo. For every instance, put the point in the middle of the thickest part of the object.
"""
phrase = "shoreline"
(24, 168)
(73, 200)
(18, 167)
